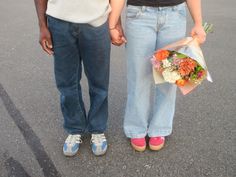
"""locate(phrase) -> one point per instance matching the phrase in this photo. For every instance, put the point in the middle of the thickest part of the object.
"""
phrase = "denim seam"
(77, 91)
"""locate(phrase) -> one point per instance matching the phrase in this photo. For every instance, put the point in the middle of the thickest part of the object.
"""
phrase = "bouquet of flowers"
(181, 63)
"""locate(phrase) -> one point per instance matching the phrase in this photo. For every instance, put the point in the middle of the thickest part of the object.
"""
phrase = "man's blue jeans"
(74, 44)
(148, 29)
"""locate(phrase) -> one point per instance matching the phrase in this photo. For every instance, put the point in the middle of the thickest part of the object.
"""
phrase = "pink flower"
(200, 74)
(156, 63)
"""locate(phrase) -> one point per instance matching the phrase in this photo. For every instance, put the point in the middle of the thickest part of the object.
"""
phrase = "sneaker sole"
(138, 148)
(101, 153)
(156, 148)
(68, 154)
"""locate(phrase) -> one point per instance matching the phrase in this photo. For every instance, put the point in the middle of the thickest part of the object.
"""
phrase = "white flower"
(171, 75)
(166, 63)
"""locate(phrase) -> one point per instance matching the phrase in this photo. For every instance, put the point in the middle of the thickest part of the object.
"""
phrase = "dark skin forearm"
(41, 7)
(45, 35)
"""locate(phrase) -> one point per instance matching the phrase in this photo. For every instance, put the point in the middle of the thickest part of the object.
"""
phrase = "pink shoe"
(139, 144)
(156, 143)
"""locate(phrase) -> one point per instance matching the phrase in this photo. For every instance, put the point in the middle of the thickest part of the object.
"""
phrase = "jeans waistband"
(154, 4)
(166, 8)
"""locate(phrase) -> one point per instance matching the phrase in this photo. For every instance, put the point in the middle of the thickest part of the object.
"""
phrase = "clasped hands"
(117, 35)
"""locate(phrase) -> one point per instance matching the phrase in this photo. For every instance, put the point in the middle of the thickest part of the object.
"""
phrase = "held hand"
(199, 33)
(117, 35)
(120, 29)
(45, 40)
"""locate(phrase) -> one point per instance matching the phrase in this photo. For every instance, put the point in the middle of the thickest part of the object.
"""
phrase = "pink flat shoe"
(156, 143)
(139, 144)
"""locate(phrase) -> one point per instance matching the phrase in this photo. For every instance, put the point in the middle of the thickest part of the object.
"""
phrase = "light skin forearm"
(195, 10)
(115, 27)
(41, 7)
(117, 6)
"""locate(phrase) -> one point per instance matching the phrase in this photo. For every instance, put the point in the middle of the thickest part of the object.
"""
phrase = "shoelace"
(72, 139)
(98, 138)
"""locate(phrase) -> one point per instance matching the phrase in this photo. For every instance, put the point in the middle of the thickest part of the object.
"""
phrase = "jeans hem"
(160, 133)
(75, 132)
(96, 132)
(135, 135)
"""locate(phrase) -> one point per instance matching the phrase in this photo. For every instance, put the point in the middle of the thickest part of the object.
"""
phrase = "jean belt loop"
(174, 8)
(143, 8)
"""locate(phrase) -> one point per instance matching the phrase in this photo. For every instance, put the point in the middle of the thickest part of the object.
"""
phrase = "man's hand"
(116, 32)
(117, 35)
(45, 40)
(199, 33)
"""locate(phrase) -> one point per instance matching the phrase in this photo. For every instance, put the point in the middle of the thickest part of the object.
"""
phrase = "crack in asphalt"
(14, 168)
(33, 141)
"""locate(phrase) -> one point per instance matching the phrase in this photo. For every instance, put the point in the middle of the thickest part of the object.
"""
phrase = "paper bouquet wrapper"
(190, 47)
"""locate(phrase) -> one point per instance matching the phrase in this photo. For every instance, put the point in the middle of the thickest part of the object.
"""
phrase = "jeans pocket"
(133, 12)
(181, 10)
(56, 25)
(51, 22)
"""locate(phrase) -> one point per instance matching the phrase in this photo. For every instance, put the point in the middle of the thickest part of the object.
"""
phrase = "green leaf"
(208, 27)
(180, 55)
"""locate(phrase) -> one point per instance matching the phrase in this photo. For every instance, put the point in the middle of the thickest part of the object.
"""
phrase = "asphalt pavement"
(203, 142)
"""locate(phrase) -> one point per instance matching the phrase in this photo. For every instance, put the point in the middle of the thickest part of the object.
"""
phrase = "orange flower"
(161, 54)
(180, 82)
(186, 67)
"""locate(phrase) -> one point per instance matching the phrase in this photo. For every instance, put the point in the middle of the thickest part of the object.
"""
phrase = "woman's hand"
(199, 33)
(195, 10)
(117, 35)
(116, 32)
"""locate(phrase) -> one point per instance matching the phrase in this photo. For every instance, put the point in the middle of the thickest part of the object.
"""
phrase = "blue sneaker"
(99, 144)
(71, 145)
